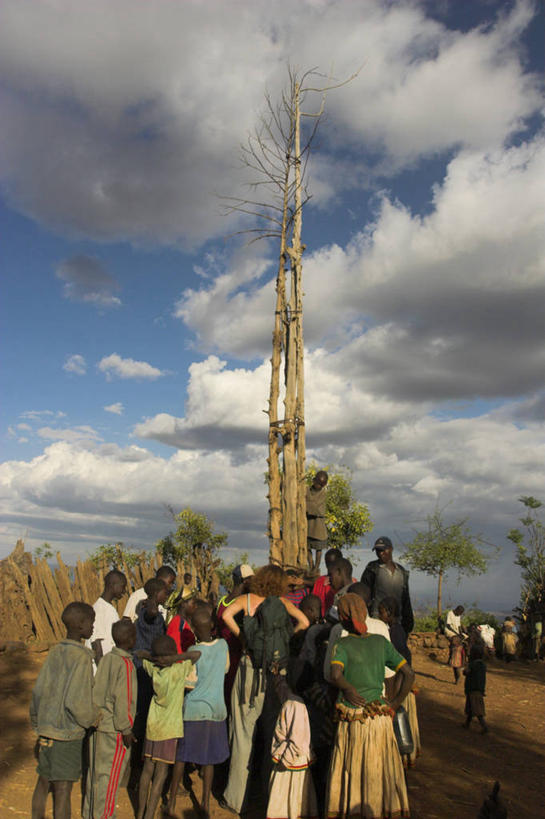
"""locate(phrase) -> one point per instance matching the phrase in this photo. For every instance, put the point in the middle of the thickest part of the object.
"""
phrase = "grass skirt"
(366, 777)
(291, 794)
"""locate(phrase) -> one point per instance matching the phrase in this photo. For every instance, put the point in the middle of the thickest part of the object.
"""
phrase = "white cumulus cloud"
(115, 366)
(75, 364)
(115, 409)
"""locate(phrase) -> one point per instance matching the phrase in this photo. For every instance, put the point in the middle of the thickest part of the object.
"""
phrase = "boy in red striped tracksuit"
(114, 694)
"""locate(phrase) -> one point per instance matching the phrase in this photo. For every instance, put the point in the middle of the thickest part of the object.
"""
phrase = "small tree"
(347, 520)
(443, 547)
(531, 558)
(194, 541)
(114, 555)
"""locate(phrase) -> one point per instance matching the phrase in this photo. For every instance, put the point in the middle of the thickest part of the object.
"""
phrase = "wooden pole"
(276, 545)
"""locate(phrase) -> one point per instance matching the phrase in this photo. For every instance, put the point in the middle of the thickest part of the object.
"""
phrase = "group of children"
(140, 698)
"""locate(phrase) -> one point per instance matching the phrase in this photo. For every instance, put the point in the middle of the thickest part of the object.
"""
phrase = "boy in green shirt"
(165, 724)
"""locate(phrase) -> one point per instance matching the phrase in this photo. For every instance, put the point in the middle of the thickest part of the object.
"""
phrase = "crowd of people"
(284, 691)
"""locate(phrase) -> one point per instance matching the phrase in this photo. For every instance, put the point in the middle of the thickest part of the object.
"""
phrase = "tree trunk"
(276, 545)
(439, 594)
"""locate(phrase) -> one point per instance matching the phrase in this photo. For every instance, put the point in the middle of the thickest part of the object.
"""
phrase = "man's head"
(163, 646)
(167, 575)
(331, 556)
(156, 590)
(79, 619)
(320, 479)
(383, 547)
(115, 583)
(241, 574)
(124, 634)
(311, 607)
(340, 573)
(458, 611)
(188, 578)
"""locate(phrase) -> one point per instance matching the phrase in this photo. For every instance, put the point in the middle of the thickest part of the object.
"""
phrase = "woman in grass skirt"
(366, 776)
(205, 715)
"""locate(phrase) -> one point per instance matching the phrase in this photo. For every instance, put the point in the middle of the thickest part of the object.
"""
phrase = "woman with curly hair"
(266, 627)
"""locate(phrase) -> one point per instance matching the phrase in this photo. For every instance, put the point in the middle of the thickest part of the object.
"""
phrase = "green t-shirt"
(165, 717)
(363, 660)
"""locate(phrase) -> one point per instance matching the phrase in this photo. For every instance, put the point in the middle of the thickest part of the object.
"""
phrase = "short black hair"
(112, 576)
(165, 571)
(391, 606)
(310, 600)
(163, 645)
(332, 555)
(75, 612)
(153, 586)
(476, 651)
(344, 566)
(362, 590)
(121, 629)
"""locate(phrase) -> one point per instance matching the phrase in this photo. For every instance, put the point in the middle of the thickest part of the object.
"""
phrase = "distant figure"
(61, 710)
(316, 528)
(453, 625)
(509, 640)
(457, 657)
(537, 636)
(101, 642)
(475, 684)
(386, 578)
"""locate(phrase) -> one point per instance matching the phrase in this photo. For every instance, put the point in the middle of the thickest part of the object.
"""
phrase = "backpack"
(268, 634)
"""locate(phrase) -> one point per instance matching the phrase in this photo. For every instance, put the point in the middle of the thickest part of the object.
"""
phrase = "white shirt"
(453, 625)
(105, 616)
(132, 604)
(374, 626)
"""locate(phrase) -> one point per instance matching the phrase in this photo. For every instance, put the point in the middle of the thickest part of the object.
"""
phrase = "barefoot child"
(475, 684)
(205, 715)
(165, 720)
(114, 695)
(457, 656)
(61, 710)
(291, 789)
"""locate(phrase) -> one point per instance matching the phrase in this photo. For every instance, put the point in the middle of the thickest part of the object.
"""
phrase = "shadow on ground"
(18, 674)
(458, 766)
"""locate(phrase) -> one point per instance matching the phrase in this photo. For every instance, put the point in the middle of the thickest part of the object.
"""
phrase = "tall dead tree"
(276, 153)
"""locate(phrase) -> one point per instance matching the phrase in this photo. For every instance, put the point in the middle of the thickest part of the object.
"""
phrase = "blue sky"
(137, 328)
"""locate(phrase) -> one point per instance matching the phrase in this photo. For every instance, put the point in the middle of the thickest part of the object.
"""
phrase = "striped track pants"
(108, 762)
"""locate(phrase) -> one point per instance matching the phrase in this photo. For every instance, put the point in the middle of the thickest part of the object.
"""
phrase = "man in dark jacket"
(388, 579)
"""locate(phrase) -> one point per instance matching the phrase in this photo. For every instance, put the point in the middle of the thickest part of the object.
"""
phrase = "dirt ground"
(451, 778)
